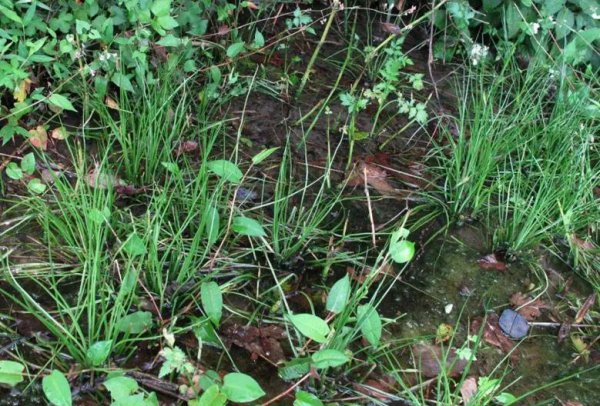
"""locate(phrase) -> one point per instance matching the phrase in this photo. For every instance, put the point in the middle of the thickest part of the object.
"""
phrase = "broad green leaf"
(206, 334)
(329, 358)
(306, 399)
(134, 245)
(11, 372)
(171, 167)
(241, 388)
(294, 369)
(61, 101)
(36, 186)
(28, 163)
(369, 323)
(122, 81)
(226, 170)
(262, 155)
(248, 227)
(211, 397)
(98, 352)
(135, 323)
(235, 49)
(14, 172)
(212, 301)
(121, 386)
(167, 22)
(338, 295)
(99, 216)
(310, 326)
(161, 7)
(57, 389)
(259, 39)
(565, 19)
(402, 251)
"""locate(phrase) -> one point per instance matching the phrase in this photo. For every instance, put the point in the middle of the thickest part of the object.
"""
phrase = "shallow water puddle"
(448, 286)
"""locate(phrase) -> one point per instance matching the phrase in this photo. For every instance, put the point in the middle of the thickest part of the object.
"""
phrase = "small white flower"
(478, 53)
(448, 308)
(534, 27)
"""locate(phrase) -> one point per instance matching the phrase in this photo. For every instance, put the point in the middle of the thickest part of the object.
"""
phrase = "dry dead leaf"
(111, 103)
(527, 308)
(39, 137)
(259, 341)
(468, 389)
(429, 359)
(22, 90)
(492, 334)
(98, 180)
(187, 147)
(374, 177)
(492, 261)
(583, 311)
(585, 245)
(377, 388)
(59, 133)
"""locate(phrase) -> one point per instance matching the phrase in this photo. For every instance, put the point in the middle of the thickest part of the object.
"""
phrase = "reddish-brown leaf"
(468, 389)
(429, 359)
(492, 334)
(39, 137)
(527, 308)
(585, 245)
(259, 341)
(373, 176)
(492, 261)
(186, 147)
(589, 302)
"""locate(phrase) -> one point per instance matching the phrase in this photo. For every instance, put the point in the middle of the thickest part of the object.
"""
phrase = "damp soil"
(447, 272)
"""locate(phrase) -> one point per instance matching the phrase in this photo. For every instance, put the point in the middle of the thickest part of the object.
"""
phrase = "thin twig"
(288, 390)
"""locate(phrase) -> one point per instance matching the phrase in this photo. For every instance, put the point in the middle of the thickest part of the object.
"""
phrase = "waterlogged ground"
(450, 287)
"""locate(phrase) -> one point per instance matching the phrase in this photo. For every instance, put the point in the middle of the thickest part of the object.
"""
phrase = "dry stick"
(551, 324)
(369, 207)
(288, 390)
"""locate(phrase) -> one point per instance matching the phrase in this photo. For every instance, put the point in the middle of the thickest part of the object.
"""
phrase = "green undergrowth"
(522, 156)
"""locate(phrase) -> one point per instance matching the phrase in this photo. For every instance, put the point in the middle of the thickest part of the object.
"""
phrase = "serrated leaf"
(329, 358)
(60, 101)
(369, 323)
(212, 301)
(28, 163)
(248, 227)
(226, 170)
(161, 7)
(338, 295)
(294, 369)
(135, 323)
(11, 372)
(57, 389)
(310, 326)
(241, 388)
(98, 352)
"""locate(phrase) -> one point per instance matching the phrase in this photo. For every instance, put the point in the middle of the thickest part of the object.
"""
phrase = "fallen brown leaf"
(111, 103)
(374, 177)
(527, 308)
(377, 387)
(468, 389)
(492, 261)
(259, 341)
(186, 147)
(583, 311)
(492, 334)
(429, 359)
(585, 245)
